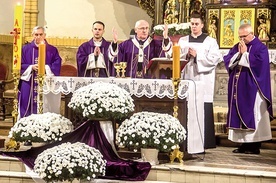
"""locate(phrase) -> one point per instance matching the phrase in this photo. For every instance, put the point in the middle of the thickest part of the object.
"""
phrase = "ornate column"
(30, 17)
(158, 10)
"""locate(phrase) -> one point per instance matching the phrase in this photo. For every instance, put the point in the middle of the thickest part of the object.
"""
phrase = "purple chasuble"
(82, 57)
(244, 83)
(28, 90)
(129, 52)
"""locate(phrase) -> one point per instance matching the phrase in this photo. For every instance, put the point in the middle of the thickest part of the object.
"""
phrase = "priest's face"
(98, 31)
(196, 26)
(39, 36)
(142, 30)
(245, 35)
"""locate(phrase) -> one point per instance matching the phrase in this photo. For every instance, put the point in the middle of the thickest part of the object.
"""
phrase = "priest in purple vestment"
(93, 58)
(28, 86)
(139, 50)
(249, 92)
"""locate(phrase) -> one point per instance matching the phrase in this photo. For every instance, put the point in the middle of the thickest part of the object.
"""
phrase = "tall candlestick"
(176, 62)
(41, 58)
(17, 45)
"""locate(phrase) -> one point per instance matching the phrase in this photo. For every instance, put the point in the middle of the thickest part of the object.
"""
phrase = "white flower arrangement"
(46, 127)
(173, 29)
(70, 161)
(102, 100)
(150, 130)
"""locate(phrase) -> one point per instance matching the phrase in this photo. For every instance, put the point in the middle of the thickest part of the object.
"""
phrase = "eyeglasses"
(143, 28)
(244, 36)
(38, 34)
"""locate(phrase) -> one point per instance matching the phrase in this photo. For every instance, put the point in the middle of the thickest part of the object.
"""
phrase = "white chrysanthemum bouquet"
(68, 161)
(102, 100)
(173, 29)
(47, 127)
(150, 130)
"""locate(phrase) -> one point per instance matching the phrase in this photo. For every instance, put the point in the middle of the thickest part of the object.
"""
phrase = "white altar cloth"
(189, 90)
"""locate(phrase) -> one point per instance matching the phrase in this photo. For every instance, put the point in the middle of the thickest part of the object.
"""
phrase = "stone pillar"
(30, 17)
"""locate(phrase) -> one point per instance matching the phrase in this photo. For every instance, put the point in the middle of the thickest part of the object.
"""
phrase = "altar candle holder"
(176, 82)
(40, 79)
(16, 77)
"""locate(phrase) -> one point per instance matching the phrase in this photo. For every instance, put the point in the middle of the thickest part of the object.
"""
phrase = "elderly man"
(249, 92)
(28, 86)
(139, 50)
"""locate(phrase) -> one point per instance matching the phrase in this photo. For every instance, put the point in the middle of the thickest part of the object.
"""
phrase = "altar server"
(202, 54)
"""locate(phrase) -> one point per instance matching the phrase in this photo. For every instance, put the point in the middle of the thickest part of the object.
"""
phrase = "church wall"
(74, 18)
(69, 23)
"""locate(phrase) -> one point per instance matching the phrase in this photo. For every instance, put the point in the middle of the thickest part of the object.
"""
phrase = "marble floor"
(219, 161)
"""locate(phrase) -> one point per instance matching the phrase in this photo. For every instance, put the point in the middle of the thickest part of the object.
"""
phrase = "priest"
(28, 85)
(139, 50)
(93, 58)
(249, 92)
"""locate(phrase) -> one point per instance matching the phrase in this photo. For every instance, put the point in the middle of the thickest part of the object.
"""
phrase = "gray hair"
(247, 27)
(38, 27)
(139, 22)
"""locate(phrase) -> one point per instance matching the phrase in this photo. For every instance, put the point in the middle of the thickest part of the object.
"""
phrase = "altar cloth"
(191, 91)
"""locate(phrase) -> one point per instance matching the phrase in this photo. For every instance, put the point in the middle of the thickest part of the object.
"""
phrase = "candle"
(176, 62)
(41, 58)
(17, 45)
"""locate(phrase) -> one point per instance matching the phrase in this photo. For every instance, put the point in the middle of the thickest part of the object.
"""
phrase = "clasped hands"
(242, 47)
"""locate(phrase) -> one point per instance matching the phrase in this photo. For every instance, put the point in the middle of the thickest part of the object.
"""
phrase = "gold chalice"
(123, 67)
(118, 68)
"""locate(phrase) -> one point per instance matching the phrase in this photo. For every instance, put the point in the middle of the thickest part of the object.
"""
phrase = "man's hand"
(35, 67)
(165, 31)
(97, 51)
(242, 47)
(115, 35)
(192, 52)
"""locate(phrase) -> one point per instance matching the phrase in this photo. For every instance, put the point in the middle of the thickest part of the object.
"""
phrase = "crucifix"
(15, 33)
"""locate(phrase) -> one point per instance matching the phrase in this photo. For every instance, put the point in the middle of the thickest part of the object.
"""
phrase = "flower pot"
(38, 144)
(150, 155)
(174, 38)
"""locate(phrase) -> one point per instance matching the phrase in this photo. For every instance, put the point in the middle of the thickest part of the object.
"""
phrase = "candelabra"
(16, 76)
(176, 82)
(40, 79)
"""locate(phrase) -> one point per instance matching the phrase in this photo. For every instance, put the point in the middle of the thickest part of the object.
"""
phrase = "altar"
(154, 95)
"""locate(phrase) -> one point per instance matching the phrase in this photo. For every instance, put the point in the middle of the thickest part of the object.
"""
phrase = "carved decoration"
(231, 19)
(263, 24)
(148, 6)
(213, 24)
